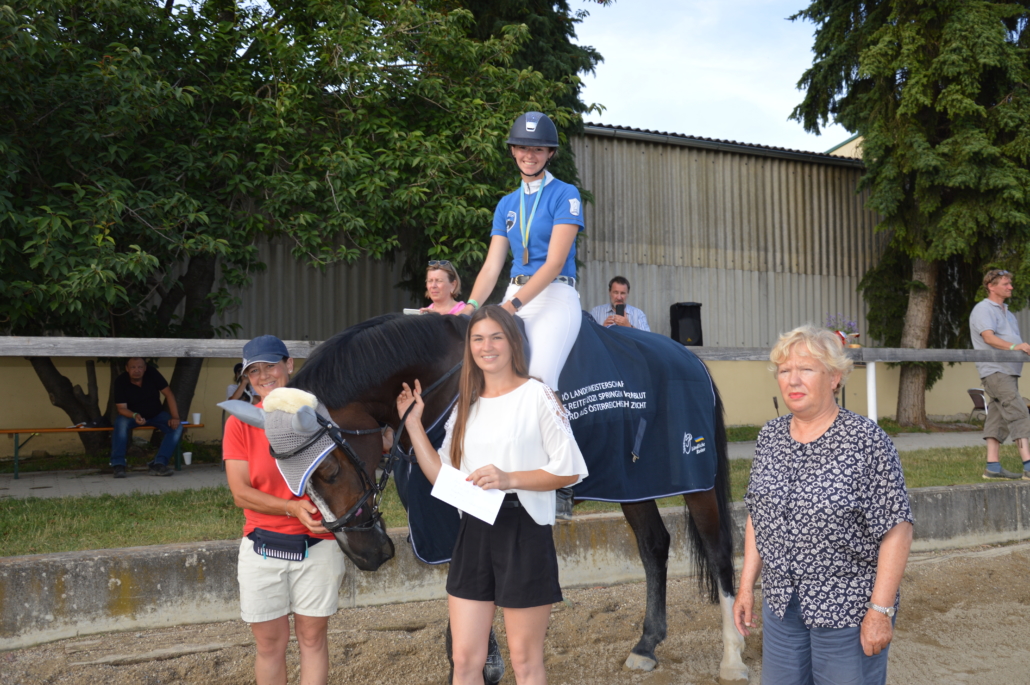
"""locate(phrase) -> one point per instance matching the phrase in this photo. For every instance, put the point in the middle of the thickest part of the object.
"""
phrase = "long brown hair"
(470, 387)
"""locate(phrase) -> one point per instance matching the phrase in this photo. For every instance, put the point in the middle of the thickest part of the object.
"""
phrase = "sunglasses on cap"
(439, 262)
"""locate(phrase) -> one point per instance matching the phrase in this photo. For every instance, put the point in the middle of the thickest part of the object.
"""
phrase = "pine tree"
(940, 92)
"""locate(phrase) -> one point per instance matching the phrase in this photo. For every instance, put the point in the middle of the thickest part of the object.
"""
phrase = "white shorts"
(552, 321)
(270, 588)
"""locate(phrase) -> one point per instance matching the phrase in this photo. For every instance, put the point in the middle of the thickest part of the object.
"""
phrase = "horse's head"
(333, 463)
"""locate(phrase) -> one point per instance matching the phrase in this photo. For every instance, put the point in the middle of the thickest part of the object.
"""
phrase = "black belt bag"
(282, 545)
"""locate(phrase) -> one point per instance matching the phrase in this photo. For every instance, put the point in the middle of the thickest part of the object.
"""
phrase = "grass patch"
(892, 427)
(955, 466)
(44, 526)
(742, 433)
(67, 524)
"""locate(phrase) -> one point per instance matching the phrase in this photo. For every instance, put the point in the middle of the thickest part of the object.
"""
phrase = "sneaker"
(1002, 474)
(1026, 475)
(119, 470)
(160, 470)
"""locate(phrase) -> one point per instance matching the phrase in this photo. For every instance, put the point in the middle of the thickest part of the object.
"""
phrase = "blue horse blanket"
(642, 408)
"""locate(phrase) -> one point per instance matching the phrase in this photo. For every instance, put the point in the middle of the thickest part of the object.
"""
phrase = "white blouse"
(524, 430)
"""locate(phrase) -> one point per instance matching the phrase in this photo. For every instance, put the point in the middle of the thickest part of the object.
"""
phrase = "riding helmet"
(533, 129)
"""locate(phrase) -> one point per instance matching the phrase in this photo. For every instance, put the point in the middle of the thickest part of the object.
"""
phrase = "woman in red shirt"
(283, 568)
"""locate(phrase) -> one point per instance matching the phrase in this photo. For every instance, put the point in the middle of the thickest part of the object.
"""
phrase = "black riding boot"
(563, 504)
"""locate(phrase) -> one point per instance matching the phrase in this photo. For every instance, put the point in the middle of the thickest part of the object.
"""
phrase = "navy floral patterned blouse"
(819, 511)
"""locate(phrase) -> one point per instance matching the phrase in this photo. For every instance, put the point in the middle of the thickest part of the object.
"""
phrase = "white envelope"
(451, 487)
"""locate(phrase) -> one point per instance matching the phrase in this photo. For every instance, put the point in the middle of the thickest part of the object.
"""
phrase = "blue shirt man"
(604, 314)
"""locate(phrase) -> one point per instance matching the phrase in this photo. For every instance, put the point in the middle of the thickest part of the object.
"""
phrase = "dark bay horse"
(357, 375)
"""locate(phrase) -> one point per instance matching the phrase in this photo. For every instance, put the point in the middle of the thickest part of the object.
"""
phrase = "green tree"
(939, 91)
(146, 147)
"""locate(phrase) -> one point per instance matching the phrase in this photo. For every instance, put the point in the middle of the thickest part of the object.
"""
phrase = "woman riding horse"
(538, 223)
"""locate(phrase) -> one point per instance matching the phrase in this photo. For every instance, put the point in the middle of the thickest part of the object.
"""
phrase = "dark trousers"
(123, 426)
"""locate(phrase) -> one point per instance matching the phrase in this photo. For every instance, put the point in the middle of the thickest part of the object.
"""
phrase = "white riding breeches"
(552, 321)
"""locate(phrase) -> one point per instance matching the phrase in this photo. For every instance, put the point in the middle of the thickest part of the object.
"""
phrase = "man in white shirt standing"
(605, 314)
(993, 327)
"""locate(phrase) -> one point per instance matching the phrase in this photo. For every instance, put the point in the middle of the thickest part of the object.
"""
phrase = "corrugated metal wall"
(764, 243)
(295, 301)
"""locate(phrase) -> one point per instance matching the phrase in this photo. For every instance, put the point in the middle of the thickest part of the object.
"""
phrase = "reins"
(396, 453)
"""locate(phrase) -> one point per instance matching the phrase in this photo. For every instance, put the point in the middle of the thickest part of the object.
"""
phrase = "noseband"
(372, 489)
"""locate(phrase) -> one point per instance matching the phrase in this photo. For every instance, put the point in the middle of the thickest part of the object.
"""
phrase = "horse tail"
(706, 561)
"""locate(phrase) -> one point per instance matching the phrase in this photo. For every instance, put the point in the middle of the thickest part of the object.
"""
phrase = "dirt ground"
(962, 620)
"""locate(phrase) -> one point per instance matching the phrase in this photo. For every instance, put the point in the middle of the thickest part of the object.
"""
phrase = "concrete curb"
(55, 596)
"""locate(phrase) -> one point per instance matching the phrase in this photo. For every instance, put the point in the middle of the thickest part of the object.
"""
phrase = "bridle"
(372, 489)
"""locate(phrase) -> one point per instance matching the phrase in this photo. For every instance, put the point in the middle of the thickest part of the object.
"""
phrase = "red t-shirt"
(247, 443)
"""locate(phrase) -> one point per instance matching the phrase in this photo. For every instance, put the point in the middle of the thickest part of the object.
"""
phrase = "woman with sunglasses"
(538, 224)
(443, 286)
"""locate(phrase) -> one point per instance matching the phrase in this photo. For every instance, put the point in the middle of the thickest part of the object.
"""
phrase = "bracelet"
(287, 510)
(134, 414)
(475, 305)
(1013, 346)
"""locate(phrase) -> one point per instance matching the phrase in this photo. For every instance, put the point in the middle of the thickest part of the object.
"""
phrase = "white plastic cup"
(187, 458)
(196, 418)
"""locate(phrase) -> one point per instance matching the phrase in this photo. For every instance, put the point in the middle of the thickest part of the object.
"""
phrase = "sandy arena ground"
(963, 620)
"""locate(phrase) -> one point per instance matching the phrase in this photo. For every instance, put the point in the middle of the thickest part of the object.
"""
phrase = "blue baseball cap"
(266, 348)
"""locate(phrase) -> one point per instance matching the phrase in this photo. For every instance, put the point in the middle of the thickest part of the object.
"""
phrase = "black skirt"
(511, 563)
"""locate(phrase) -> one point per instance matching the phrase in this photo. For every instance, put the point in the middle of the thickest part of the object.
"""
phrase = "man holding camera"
(617, 312)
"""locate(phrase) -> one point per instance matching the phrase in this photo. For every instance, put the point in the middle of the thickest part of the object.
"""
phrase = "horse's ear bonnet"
(245, 412)
(288, 417)
(305, 422)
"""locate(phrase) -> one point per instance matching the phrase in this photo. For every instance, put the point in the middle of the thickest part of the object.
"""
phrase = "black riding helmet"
(534, 129)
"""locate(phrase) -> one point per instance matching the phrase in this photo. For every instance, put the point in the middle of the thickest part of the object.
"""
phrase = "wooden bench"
(16, 432)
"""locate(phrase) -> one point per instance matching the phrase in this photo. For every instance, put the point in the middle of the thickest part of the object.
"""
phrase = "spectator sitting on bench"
(137, 397)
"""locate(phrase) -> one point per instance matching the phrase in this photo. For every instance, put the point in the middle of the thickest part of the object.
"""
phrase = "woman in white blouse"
(507, 432)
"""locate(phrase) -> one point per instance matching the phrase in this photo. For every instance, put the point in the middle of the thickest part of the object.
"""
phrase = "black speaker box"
(685, 318)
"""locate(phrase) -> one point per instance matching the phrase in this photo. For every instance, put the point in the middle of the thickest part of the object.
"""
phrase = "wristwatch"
(886, 611)
(517, 303)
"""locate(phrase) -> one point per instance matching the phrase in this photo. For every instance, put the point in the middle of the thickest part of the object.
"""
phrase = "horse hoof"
(733, 675)
(635, 662)
(493, 671)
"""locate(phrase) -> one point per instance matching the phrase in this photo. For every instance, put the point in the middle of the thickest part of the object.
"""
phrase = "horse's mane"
(366, 355)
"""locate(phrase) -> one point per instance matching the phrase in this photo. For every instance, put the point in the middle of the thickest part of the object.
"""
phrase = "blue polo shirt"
(560, 204)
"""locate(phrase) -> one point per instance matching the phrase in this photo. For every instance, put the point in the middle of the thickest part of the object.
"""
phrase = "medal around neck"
(526, 226)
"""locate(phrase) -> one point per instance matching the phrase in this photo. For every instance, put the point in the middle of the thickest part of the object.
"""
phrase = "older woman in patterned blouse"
(829, 527)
